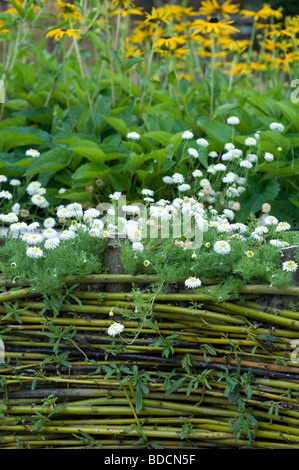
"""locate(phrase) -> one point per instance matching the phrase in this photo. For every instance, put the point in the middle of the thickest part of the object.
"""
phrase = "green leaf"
(91, 152)
(175, 385)
(22, 136)
(171, 77)
(215, 130)
(117, 124)
(162, 137)
(90, 171)
(53, 160)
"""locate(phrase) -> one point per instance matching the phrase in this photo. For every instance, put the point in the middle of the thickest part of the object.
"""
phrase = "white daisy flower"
(115, 329)
(220, 167)
(32, 153)
(193, 152)
(229, 146)
(250, 141)
(49, 222)
(67, 235)
(202, 224)
(115, 196)
(15, 182)
(49, 233)
(224, 227)
(184, 187)
(275, 242)
(229, 214)
(252, 157)
(271, 220)
(283, 226)
(5, 195)
(91, 214)
(147, 192)
(131, 209)
(18, 227)
(168, 180)
(233, 120)
(290, 266)
(178, 178)
(239, 227)
(52, 243)
(39, 201)
(197, 174)
(261, 229)
(192, 282)
(205, 183)
(222, 247)
(269, 157)
(63, 212)
(246, 164)
(138, 247)
(33, 238)
(229, 177)
(10, 218)
(33, 188)
(3, 179)
(34, 252)
(187, 135)
(276, 126)
(75, 209)
(202, 143)
(134, 233)
(33, 226)
(133, 136)
(16, 208)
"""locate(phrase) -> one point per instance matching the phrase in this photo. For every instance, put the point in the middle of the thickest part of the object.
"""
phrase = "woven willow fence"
(187, 371)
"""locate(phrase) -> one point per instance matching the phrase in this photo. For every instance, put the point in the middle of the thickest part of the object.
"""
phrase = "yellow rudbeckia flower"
(60, 32)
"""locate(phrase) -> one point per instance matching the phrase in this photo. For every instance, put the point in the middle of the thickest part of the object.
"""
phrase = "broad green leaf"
(117, 124)
(91, 152)
(90, 171)
(215, 130)
(13, 137)
(53, 160)
(160, 136)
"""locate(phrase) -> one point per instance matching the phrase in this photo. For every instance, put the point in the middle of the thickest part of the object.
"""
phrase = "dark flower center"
(214, 20)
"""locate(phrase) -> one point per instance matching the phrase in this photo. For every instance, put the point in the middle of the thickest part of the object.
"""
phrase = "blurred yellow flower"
(264, 13)
(177, 12)
(212, 7)
(3, 30)
(213, 25)
(157, 15)
(60, 32)
(68, 11)
(14, 11)
(168, 42)
(123, 3)
(129, 11)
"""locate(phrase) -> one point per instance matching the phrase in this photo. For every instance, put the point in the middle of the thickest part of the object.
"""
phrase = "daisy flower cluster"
(220, 177)
(226, 244)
